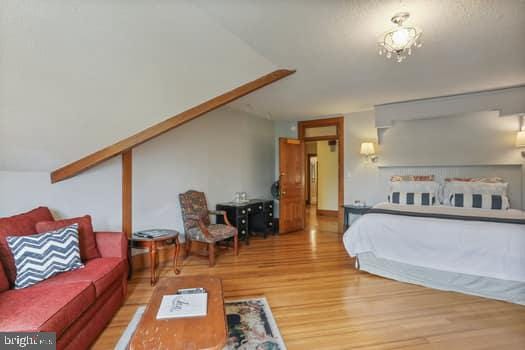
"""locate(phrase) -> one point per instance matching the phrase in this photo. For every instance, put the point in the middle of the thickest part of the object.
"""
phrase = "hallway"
(320, 223)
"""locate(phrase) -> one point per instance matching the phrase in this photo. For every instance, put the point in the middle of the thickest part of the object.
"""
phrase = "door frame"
(339, 123)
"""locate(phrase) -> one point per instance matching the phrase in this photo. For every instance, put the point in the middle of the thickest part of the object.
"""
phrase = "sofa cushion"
(85, 330)
(41, 256)
(4, 282)
(18, 225)
(88, 244)
(45, 307)
(102, 272)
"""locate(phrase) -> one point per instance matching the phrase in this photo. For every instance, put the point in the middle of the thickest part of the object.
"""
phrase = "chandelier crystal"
(398, 43)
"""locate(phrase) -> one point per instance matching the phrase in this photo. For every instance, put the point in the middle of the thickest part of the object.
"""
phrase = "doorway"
(324, 165)
(321, 177)
(311, 174)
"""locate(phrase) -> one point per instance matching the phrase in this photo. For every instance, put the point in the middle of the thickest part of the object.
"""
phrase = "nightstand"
(353, 209)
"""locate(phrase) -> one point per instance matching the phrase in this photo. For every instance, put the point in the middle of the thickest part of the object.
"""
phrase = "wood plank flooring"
(321, 302)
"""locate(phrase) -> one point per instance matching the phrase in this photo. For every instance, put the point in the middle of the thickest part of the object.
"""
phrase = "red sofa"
(77, 305)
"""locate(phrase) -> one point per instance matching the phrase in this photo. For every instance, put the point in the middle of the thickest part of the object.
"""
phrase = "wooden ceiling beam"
(122, 146)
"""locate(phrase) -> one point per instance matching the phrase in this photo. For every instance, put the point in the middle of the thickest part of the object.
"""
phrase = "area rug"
(251, 326)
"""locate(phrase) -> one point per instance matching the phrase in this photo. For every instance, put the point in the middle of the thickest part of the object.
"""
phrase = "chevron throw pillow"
(39, 257)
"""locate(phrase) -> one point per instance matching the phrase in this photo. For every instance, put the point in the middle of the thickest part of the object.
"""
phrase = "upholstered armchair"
(198, 227)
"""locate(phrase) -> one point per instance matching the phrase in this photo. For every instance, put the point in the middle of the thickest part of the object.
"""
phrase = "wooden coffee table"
(191, 333)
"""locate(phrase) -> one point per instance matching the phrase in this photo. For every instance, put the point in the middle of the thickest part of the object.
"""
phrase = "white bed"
(460, 254)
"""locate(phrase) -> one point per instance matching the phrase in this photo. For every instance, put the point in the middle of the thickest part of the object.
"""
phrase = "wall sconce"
(520, 137)
(368, 150)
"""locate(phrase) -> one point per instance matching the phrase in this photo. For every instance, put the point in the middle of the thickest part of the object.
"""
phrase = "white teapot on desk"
(240, 197)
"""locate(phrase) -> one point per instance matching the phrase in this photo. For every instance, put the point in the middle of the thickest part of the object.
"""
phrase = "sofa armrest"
(112, 244)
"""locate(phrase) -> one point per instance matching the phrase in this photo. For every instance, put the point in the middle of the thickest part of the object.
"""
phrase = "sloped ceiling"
(468, 46)
(76, 75)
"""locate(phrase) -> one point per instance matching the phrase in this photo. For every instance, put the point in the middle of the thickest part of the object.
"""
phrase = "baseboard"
(323, 212)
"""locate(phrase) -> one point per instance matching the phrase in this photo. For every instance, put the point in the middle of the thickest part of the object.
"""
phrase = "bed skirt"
(493, 288)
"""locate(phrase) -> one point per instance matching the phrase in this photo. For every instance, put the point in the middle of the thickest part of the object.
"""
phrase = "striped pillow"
(39, 257)
(482, 201)
(470, 188)
(489, 180)
(412, 198)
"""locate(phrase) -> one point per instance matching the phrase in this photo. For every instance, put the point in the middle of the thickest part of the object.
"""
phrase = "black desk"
(352, 209)
(251, 217)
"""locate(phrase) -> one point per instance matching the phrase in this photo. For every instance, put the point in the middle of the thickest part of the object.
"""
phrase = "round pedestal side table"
(152, 240)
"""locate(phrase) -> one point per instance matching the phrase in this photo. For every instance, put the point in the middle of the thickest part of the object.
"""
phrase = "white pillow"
(470, 188)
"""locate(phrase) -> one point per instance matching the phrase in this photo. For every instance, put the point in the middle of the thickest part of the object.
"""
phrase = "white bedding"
(486, 249)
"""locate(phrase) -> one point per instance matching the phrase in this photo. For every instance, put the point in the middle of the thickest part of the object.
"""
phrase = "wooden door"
(292, 185)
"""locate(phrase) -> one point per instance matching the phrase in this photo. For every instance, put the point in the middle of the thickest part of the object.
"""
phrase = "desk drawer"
(243, 211)
(242, 221)
(243, 231)
(242, 228)
(256, 208)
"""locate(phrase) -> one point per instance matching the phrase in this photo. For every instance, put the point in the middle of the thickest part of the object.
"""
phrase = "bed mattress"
(447, 242)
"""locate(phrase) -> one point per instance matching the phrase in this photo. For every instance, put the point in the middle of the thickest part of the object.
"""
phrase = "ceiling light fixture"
(400, 41)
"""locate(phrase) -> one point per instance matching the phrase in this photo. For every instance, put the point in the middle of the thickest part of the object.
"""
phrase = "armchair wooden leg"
(176, 252)
(211, 254)
(235, 245)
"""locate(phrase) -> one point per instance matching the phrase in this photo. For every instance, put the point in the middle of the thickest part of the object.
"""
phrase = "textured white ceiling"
(467, 46)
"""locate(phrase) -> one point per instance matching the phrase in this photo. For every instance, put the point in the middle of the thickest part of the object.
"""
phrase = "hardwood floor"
(320, 301)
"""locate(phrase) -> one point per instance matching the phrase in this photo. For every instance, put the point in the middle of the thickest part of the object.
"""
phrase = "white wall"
(221, 153)
(328, 188)
(433, 134)
(361, 177)
(467, 139)
(480, 139)
(76, 76)
(97, 192)
(283, 128)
